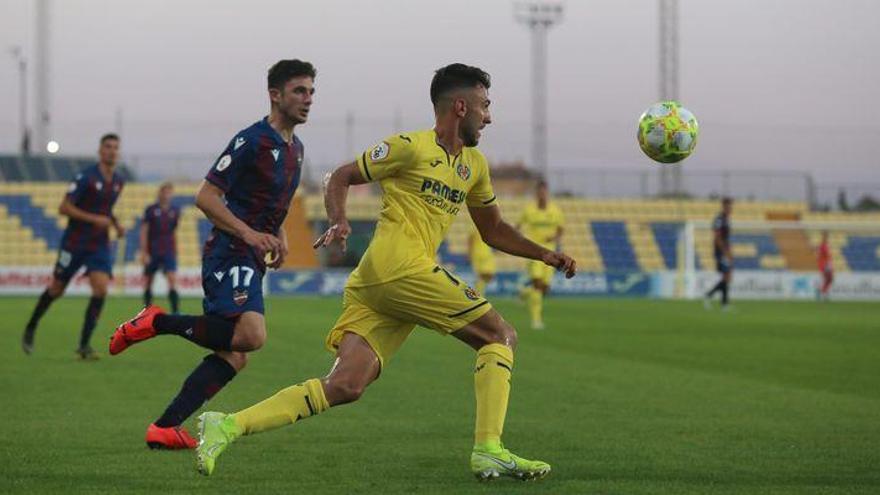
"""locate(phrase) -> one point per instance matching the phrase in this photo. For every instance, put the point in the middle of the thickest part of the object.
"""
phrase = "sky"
(777, 85)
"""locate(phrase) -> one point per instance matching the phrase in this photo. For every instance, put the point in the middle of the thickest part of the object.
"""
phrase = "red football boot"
(135, 330)
(172, 438)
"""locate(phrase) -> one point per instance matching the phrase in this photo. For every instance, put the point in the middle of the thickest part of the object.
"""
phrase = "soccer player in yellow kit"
(541, 222)
(482, 260)
(427, 178)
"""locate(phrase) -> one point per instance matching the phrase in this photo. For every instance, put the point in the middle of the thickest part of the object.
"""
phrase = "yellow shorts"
(540, 271)
(385, 314)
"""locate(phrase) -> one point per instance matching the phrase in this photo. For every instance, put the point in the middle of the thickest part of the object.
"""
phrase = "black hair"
(456, 76)
(726, 200)
(285, 70)
(110, 136)
(541, 183)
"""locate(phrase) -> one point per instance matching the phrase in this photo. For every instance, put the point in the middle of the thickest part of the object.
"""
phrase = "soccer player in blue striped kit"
(158, 245)
(86, 242)
(245, 195)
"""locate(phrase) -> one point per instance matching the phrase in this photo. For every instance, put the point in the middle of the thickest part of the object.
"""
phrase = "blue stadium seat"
(615, 246)
(861, 253)
(33, 217)
(764, 244)
(666, 237)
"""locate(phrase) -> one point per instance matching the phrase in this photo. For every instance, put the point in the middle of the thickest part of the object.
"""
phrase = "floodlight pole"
(21, 62)
(670, 175)
(41, 75)
(539, 17)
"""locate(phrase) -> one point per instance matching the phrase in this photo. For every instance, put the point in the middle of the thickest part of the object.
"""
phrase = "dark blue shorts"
(721, 264)
(69, 262)
(232, 285)
(167, 263)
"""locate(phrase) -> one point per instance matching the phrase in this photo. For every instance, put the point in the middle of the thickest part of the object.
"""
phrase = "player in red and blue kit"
(246, 195)
(826, 268)
(158, 245)
(89, 206)
(723, 255)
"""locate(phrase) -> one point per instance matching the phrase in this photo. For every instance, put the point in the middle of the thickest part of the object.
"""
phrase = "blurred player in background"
(540, 222)
(723, 254)
(427, 177)
(245, 195)
(86, 242)
(158, 245)
(482, 260)
(826, 269)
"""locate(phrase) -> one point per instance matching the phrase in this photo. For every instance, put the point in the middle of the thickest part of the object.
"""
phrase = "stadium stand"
(604, 235)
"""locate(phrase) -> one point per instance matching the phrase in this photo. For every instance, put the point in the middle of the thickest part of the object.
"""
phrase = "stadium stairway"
(794, 246)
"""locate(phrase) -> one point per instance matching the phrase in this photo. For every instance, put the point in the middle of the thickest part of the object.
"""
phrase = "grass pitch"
(620, 396)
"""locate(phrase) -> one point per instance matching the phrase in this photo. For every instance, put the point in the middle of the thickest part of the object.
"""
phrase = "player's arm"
(381, 161)
(209, 199)
(281, 254)
(336, 186)
(145, 257)
(719, 243)
(68, 209)
(716, 240)
(504, 237)
(120, 230)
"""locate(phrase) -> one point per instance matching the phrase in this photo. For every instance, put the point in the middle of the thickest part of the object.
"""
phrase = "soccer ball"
(668, 132)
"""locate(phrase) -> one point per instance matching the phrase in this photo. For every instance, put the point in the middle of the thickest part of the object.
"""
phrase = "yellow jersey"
(423, 189)
(540, 226)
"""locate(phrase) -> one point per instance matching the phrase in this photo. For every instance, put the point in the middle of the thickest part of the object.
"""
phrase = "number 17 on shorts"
(232, 287)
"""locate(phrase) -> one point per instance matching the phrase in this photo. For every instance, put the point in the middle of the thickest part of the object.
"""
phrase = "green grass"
(621, 397)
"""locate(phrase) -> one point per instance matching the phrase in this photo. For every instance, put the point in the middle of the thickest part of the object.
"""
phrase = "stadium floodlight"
(539, 16)
(21, 63)
(668, 45)
(41, 72)
(53, 147)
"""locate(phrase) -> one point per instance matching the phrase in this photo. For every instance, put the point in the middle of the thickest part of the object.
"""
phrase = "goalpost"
(779, 259)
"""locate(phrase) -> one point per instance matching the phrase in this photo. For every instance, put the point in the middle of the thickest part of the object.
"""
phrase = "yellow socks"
(480, 286)
(492, 386)
(286, 407)
(535, 300)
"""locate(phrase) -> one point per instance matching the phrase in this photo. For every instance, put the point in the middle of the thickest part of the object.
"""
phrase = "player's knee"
(509, 336)
(250, 338)
(100, 291)
(503, 334)
(344, 390)
(237, 360)
(57, 287)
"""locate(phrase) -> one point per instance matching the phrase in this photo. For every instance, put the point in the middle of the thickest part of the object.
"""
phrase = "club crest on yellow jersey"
(463, 171)
(471, 294)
